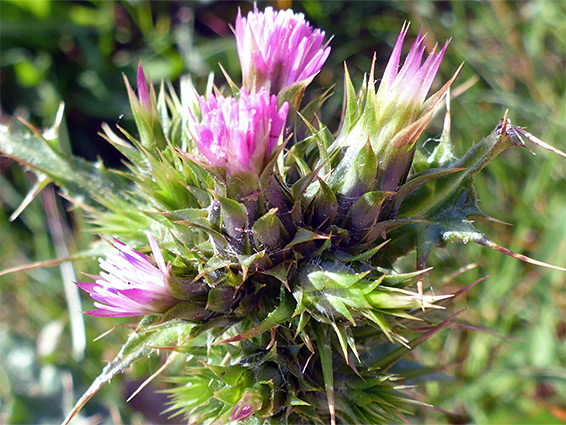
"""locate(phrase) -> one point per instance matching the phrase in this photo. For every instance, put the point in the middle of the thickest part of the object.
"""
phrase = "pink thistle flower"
(404, 113)
(130, 285)
(393, 117)
(239, 135)
(278, 49)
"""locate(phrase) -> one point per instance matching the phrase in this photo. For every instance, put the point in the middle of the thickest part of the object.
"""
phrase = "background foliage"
(76, 51)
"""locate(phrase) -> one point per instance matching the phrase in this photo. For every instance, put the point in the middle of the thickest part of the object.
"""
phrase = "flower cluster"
(282, 290)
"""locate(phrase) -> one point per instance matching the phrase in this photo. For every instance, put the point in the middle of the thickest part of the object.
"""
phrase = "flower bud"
(248, 404)
(391, 118)
(144, 109)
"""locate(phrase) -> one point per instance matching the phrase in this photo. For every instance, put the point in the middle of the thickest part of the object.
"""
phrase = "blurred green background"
(77, 51)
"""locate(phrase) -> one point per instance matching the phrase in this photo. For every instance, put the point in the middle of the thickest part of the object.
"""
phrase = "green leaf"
(365, 211)
(341, 308)
(293, 400)
(279, 272)
(303, 235)
(234, 217)
(81, 180)
(231, 375)
(188, 214)
(325, 279)
(229, 396)
(380, 320)
(247, 261)
(149, 333)
(220, 300)
(403, 279)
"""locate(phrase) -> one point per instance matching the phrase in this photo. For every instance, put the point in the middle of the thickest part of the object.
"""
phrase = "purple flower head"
(278, 49)
(130, 285)
(403, 112)
(411, 83)
(239, 135)
(393, 117)
(246, 407)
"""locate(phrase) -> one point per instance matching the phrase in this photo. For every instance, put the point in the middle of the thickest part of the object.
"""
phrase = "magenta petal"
(86, 286)
(427, 83)
(107, 299)
(157, 255)
(139, 296)
(391, 68)
(109, 313)
(408, 86)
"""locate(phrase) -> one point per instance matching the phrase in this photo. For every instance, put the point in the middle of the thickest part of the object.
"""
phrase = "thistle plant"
(273, 270)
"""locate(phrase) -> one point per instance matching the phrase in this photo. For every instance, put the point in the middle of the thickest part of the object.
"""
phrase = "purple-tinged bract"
(239, 135)
(278, 49)
(246, 407)
(130, 284)
(410, 84)
(143, 89)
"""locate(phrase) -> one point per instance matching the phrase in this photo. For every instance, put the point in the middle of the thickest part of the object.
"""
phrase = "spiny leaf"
(483, 240)
(136, 347)
(363, 256)
(384, 363)
(403, 279)
(80, 179)
(419, 180)
(304, 235)
(350, 111)
(278, 316)
(40, 184)
(325, 352)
